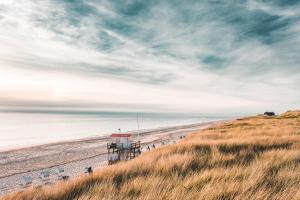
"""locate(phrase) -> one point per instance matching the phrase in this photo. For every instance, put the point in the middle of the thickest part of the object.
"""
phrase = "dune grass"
(250, 158)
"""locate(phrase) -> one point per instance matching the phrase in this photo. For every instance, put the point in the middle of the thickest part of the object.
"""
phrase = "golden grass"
(250, 158)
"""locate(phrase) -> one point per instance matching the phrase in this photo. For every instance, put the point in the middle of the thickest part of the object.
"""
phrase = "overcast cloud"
(182, 56)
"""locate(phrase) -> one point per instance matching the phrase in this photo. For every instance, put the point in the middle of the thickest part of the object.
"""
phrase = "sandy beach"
(73, 156)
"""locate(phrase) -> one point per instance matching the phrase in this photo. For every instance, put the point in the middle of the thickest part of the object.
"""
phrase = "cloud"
(198, 56)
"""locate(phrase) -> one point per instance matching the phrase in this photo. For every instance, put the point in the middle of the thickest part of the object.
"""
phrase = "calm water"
(24, 129)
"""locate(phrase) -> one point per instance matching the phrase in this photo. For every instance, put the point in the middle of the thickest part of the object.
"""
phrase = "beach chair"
(60, 172)
(45, 176)
(26, 181)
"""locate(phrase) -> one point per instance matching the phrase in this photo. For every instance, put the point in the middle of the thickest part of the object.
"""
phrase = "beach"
(75, 155)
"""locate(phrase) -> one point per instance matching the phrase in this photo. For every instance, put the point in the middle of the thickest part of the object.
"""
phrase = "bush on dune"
(250, 158)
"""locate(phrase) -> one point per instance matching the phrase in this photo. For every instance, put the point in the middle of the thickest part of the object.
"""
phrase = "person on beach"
(88, 170)
(148, 148)
(153, 146)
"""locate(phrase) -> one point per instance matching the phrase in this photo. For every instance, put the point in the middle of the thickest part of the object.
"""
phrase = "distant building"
(269, 113)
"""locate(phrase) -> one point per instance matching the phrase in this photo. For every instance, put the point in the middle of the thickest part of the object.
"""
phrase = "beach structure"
(60, 170)
(269, 113)
(45, 176)
(122, 147)
(45, 173)
(61, 173)
(26, 181)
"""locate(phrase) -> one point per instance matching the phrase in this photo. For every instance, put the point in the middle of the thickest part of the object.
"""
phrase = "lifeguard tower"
(122, 147)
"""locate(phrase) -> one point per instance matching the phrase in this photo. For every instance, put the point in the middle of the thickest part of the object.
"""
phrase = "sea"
(21, 129)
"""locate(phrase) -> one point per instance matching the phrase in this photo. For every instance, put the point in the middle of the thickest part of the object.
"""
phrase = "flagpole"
(138, 125)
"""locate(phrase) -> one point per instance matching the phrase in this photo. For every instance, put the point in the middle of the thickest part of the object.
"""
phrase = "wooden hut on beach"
(122, 147)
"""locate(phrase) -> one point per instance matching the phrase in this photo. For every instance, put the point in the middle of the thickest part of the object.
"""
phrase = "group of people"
(162, 143)
(148, 147)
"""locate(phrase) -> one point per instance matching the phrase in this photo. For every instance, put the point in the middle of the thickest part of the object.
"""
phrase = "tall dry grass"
(250, 158)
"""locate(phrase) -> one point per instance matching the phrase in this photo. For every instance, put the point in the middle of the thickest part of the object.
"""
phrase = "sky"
(208, 56)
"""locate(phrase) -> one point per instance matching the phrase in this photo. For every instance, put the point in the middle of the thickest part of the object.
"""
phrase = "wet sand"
(74, 156)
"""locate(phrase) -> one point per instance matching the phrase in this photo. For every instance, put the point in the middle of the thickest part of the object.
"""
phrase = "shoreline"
(87, 139)
(74, 155)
